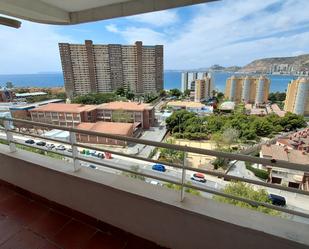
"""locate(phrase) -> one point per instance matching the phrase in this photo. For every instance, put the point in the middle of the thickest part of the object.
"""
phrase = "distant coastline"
(172, 79)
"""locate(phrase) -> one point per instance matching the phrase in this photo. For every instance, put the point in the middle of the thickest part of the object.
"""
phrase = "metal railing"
(77, 159)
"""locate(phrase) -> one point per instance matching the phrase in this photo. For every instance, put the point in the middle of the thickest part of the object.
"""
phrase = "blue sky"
(227, 32)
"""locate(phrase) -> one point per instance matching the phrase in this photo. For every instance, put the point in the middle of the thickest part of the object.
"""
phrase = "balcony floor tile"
(24, 239)
(74, 235)
(105, 241)
(8, 228)
(28, 221)
(50, 224)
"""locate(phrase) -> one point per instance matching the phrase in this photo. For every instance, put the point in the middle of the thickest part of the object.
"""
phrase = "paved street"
(153, 134)
(239, 170)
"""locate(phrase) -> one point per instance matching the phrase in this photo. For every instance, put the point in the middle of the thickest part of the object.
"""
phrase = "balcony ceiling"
(80, 11)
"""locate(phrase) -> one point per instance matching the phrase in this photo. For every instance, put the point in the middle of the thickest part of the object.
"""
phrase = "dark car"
(277, 200)
(100, 155)
(199, 177)
(41, 143)
(159, 167)
(29, 141)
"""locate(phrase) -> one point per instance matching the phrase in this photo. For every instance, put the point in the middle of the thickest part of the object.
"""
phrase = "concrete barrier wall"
(148, 211)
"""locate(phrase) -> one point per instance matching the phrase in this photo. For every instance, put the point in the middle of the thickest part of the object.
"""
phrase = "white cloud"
(158, 18)
(231, 32)
(112, 28)
(30, 49)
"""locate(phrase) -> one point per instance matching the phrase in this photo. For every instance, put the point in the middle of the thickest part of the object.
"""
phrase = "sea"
(172, 79)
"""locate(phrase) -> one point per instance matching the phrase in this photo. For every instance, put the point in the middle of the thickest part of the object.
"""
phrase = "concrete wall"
(151, 212)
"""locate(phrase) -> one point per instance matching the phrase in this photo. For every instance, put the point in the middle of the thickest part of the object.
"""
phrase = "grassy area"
(263, 174)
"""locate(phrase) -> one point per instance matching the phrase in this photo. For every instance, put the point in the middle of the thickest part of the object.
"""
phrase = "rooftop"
(298, 140)
(61, 107)
(130, 106)
(227, 105)
(280, 153)
(187, 104)
(108, 127)
(21, 95)
(258, 111)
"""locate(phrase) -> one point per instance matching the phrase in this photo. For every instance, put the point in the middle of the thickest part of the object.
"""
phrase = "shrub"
(263, 174)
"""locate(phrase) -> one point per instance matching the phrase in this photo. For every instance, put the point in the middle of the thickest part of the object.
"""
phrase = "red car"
(199, 177)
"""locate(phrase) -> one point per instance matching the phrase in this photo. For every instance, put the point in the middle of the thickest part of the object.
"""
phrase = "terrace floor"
(28, 221)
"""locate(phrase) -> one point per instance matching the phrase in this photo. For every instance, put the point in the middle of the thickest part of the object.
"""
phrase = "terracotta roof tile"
(61, 107)
(130, 106)
(108, 127)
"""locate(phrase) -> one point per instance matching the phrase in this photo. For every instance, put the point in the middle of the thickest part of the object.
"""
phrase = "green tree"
(187, 92)
(162, 93)
(220, 96)
(95, 98)
(175, 92)
(9, 85)
(120, 91)
(230, 136)
(171, 155)
(246, 191)
(263, 127)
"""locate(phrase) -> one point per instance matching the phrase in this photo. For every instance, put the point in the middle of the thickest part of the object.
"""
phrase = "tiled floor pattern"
(31, 223)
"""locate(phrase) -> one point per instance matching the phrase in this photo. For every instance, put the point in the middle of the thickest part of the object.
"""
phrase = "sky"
(227, 32)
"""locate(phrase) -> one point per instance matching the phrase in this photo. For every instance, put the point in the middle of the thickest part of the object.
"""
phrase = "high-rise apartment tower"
(247, 89)
(188, 79)
(297, 96)
(203, 88)
(90, 68)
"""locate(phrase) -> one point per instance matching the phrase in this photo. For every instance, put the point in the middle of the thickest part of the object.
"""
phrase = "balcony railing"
(181, 181)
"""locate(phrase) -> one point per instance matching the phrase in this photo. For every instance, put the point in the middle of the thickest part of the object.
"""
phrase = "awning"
(80, 11)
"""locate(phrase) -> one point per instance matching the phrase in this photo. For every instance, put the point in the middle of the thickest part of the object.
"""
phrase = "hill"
(279, 65)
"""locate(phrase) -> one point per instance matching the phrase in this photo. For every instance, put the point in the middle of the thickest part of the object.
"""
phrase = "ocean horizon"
(172, 79)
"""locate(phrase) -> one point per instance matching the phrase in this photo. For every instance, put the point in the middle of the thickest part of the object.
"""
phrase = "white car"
(60, 147)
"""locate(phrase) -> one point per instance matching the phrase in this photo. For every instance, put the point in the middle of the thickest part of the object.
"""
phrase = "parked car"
(29, 141)
(93, 153)
(159, 167)
(70, 150)
(199, 177)
(92, 166)
(41, 143)
(277, 200)
(50, 146)
(60, 147)
(100, 155)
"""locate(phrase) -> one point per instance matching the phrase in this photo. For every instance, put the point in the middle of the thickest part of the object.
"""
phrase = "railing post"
(9, 136)
(183, 177)
(76, 163)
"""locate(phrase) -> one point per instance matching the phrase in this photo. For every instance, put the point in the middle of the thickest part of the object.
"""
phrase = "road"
(239, 169)
(153, 134)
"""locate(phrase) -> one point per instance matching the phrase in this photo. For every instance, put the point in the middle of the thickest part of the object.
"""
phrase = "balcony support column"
(9, 135)
(76, 163)
(183, 177)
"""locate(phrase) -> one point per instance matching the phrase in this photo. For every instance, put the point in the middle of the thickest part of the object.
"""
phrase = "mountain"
(232, 69)
(221, 68)
(279, 65)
